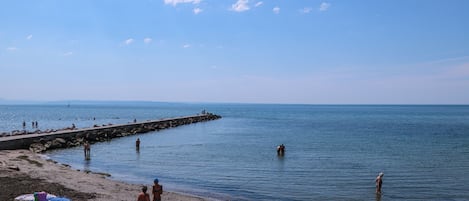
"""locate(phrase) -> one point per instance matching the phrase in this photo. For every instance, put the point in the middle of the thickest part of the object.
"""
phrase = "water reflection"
(137, 151)
(86, 165)
(378, 196)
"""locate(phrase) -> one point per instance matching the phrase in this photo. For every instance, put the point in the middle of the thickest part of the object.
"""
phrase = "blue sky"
(246, 51)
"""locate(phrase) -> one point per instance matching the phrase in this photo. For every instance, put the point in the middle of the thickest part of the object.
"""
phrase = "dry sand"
(23, 172)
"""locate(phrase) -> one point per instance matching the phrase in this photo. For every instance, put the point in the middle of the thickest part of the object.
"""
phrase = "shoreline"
(24, 172)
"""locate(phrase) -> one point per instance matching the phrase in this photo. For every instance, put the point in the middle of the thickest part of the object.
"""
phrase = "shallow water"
(332, 152)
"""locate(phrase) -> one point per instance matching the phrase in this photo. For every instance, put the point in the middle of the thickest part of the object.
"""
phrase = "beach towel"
(30, 197)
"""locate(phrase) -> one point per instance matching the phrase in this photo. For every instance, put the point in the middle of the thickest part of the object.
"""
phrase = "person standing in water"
(137, 143)
(281, 150)
(379, 182)
(87, 150)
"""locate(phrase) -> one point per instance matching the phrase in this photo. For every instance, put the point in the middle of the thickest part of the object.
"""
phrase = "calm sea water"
(332, 152)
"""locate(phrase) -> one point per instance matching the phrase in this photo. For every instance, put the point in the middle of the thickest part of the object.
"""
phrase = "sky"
(236, 51)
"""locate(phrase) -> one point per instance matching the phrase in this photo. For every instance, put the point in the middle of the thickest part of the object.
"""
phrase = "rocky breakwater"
(72, 138)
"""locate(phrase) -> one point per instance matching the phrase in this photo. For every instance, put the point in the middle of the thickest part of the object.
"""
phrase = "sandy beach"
(24, 172)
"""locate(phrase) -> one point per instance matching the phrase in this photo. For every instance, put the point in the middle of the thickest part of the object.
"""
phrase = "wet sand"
(24, 172)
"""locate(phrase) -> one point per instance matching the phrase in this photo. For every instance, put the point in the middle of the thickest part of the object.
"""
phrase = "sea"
(333, 152)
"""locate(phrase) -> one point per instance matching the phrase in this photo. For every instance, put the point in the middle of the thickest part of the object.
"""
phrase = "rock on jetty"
(71, 138)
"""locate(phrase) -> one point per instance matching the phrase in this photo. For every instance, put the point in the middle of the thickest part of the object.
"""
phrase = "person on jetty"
(157, 190)
(281, 150)
(379, 182)
(87, 150)
(143, 196)
(137, 143)
(24, 124)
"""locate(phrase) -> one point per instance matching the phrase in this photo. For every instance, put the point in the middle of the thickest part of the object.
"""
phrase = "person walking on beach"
(87, 150)
(157, 190)
(379, 182)
(24, 124)
(143, 196)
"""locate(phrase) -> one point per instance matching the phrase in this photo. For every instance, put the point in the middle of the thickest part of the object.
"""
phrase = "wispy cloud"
(240, 6)
(66, 54)
(306, 10)
(29, 37)
(175, 2)
(276, 10)
(259, 4)
(147, 40)
(324, 6)
(186, 46)
(129, 41)
(12, 48)
(197, 10)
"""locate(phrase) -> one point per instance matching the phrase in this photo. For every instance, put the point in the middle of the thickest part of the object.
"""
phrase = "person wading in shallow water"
(87, 150)
(281, 150)
(379, 182)
(157, 190)
(137, 143)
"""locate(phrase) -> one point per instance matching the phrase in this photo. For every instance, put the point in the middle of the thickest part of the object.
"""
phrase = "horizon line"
(78, 102)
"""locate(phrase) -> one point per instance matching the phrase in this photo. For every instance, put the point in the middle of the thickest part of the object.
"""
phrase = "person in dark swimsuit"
(137, 143)
(281, 150)
(157, 190)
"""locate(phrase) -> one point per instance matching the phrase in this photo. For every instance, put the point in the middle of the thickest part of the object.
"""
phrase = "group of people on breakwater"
(34, 125)
(37, 131)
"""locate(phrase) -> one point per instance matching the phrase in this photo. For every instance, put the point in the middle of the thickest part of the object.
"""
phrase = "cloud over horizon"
(147, 40)
(68, 54)
(197, 10)
(240, 6)
(175, 2)
(12, 48)
(324, 6)
(129, 41)
(306, 10)
(276, 10)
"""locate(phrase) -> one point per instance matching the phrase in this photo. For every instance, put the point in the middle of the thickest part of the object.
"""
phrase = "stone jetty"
(71, 138)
